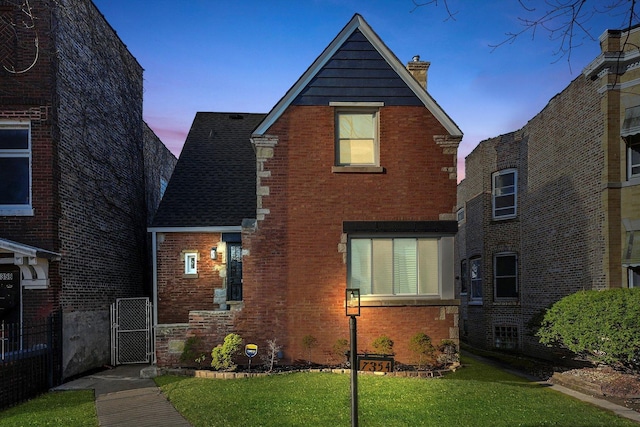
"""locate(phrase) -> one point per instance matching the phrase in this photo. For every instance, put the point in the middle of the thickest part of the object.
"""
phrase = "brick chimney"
(418, 70)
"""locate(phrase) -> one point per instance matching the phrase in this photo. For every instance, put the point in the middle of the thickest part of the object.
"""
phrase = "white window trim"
(515, 194)
(26, 209)
(188, 271)
(495, 276)
(354, 109)
(630, 165)
(472, 299)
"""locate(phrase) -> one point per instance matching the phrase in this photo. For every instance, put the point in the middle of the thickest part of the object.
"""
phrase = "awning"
(631, 252)
(631, 124)
(33, 262)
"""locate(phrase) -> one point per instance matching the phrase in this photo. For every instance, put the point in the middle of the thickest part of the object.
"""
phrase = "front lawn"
(476, 395)
(56, 408)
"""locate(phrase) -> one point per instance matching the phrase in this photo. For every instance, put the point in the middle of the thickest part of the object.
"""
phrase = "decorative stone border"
(198, 373)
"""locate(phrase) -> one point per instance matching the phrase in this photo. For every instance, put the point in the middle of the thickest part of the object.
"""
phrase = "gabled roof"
(357, 23)
(214, 181)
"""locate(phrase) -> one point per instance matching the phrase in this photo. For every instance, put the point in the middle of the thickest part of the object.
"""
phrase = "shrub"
(448, 352)
(271, 356)
(222, 354)
(383, 345)
(340, 348)
(191, 352)
(603, 326)
(420, 345)
(308, 342)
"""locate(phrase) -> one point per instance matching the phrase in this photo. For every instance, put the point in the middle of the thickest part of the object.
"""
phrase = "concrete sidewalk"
(124, 398)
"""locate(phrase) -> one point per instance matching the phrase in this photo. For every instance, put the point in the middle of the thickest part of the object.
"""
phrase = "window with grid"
(506, 337)
(15, 168)
(394, 266)
(505, 275)
(504, 194)
(357, 137)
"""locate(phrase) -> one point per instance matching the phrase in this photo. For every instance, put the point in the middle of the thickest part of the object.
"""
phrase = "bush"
(420, 345)
(340, 349)
(222, 354)
(383, 345)
(308, 342)
(191, 353)
(603, 326)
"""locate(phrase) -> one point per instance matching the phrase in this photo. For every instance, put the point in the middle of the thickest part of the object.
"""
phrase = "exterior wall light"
(214, 253)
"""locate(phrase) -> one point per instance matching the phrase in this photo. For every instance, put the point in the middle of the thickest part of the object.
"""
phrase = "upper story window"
(505, 272)
(15, 169)
(475, 273)
(357, 137)
(504, 194)
(395, 266)
(633, 158)
(460, 214)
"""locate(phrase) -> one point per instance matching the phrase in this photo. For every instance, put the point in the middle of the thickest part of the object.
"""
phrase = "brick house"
(80, 173)
(552, 208)
(353, 185)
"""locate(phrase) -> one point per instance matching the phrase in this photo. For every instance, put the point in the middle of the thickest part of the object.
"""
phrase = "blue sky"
(242, 56)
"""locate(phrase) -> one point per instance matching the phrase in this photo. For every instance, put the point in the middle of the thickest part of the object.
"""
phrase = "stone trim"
(264, 149)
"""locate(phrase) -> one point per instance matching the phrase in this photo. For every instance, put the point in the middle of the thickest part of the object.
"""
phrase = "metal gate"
(131, 331)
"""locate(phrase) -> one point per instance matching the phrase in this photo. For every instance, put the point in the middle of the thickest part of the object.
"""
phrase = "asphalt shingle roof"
(214, 181)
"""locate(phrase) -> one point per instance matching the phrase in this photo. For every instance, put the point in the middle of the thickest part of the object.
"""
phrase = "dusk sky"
(243, 56)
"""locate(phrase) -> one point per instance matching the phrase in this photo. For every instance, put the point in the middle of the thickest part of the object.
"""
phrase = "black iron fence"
(30, 359)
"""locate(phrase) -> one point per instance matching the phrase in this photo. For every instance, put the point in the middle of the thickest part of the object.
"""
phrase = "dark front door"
(234, 272)
(9, 294)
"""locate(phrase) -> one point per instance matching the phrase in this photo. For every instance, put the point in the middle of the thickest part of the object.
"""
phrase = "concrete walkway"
(124, 398)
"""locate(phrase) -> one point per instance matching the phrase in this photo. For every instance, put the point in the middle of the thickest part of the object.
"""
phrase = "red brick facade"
(295, 251)
(295, 274)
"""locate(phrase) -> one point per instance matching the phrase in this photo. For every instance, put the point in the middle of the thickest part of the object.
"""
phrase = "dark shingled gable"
(357, 73)
(214, 181)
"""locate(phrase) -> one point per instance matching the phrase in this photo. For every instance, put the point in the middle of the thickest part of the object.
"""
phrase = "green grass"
(477, 395)
(57, 408)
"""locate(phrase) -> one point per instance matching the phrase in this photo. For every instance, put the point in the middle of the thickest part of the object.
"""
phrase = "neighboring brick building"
(542, 210)
(356, 177)
(79, 172)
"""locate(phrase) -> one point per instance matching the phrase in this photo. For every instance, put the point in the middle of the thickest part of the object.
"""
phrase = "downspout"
(154, 251)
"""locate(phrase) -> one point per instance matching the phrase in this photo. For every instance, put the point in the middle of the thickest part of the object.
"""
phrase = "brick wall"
(558, 233)
(83, 97)
(178, 294)
(294, 273)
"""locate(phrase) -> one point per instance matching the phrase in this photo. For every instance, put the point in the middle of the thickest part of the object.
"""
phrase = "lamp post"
(352, 310)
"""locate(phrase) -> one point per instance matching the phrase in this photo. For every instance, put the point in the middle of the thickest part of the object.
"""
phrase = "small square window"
(357, 137)
(191, 263)
(506, 337)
